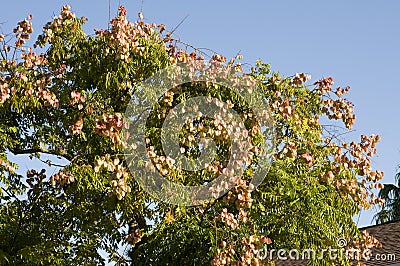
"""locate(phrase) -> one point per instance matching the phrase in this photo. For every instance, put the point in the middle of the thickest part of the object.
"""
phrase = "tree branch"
(61, 153)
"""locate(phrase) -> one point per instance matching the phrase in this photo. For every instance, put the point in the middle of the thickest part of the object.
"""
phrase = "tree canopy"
(390, 210)
(67, 95)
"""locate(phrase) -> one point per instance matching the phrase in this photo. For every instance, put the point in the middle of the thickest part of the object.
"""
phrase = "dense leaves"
(66, 97)
(391, 208)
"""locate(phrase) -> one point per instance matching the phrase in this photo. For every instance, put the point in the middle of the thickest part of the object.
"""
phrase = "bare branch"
(61, 153)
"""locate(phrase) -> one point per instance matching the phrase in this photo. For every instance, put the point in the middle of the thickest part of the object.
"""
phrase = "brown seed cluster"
(23, 31)
(56, 25)
(339, 108)
(110, 126)
(76, 128)
(118, 181)
(7, 165)
(355, 157)
(134, 237)
(5, 91)
(35, 179)
(299, 79)
(360, 249)
(77, 97)
(228, 219)
(289, 150)
(61, 179)
(240, 195)
(31, 59)
(324, 85)
(249, 252)
(125, 36)
(224, 256)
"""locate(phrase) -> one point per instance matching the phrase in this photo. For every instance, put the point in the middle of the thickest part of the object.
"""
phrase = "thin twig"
(179, 24)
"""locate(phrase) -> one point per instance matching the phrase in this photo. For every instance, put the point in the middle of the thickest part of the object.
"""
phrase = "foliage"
(391, 208)
(69, 100)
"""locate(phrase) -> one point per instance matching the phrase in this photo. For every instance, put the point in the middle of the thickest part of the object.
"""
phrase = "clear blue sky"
(355, 42)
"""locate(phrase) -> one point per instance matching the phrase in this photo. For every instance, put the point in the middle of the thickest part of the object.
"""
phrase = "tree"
(391, 208)
(70, 100)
